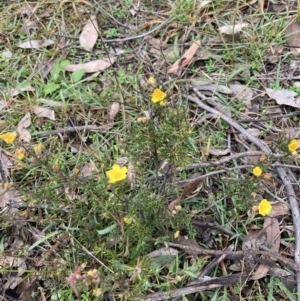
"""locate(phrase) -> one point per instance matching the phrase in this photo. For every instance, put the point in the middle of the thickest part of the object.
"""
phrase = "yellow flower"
(117, 173)
(293, 145)
(143, 119)
(97, 292)
(158, 96)
(178, 207)
(6, 185)
(9, 137)
(20, 155)
(176, 234)
(129, 220)
(152, 81)
(257, 171)
(264, 207)
(37, 148)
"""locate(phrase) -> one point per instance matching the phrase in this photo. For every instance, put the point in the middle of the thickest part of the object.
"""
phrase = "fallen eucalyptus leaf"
(24, 134)
(186, 58)
(88, 170)
(232, 29)
(284, 97)
(93, 66)
(163, 252)
(279, 208)
(44, 112)
(24, 123)
(35, 44)
(292, 37)
(89, 34)
(219, 151)
(210, 86)
(113, 110)
(2, 105)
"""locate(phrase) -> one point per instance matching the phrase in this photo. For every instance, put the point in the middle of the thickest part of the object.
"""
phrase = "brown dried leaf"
(131, 176)
(24, 134)
(3, 105)
(251, 244)
(113, 110)
(93, 66)
(272, 231)
(261, 272)
(271, 226)
(163, 252)
(191, 245)
(5, 164)
(188, 188)
(44, 112)
(10, 197)
(292, 36)
(232, 29)
(51, 103)
(15, 92)
(203, 85)
(88, 170)
(186, 58)
(279, 208)
(89, 34)
(70, 193)
(284, 97)
(219, 151)
(35, 44)
(252, 131)
(25, 122)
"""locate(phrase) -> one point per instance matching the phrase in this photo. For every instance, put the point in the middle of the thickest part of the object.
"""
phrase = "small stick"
(71, 129)
(122, 40)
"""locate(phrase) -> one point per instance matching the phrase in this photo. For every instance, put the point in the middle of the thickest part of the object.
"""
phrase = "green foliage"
(164, 137)
(81, 221)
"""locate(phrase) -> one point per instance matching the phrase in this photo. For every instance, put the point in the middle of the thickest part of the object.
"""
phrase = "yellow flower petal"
(9, 137)
(257, 171)
(293, 145)
(117, 173)
(97, 292)
(37, 148)
(152, 81)
(20, 155)
(176, 234)
(264, 207)
(158, 96)
(128, 220)
(178, 207)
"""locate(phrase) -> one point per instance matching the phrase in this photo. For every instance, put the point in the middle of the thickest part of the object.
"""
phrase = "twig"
(122, 40)
(71, 129)
(227, 159)
(282, 173)
(205, 271)
(239, 255)
(200, 286)
(207, 108)
(217, 227)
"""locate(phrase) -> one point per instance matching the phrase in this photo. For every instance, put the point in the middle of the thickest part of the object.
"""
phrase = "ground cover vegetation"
(149, 150)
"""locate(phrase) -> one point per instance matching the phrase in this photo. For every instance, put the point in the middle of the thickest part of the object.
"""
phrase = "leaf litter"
(93, 66)
(227, 97)
(89, 34)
